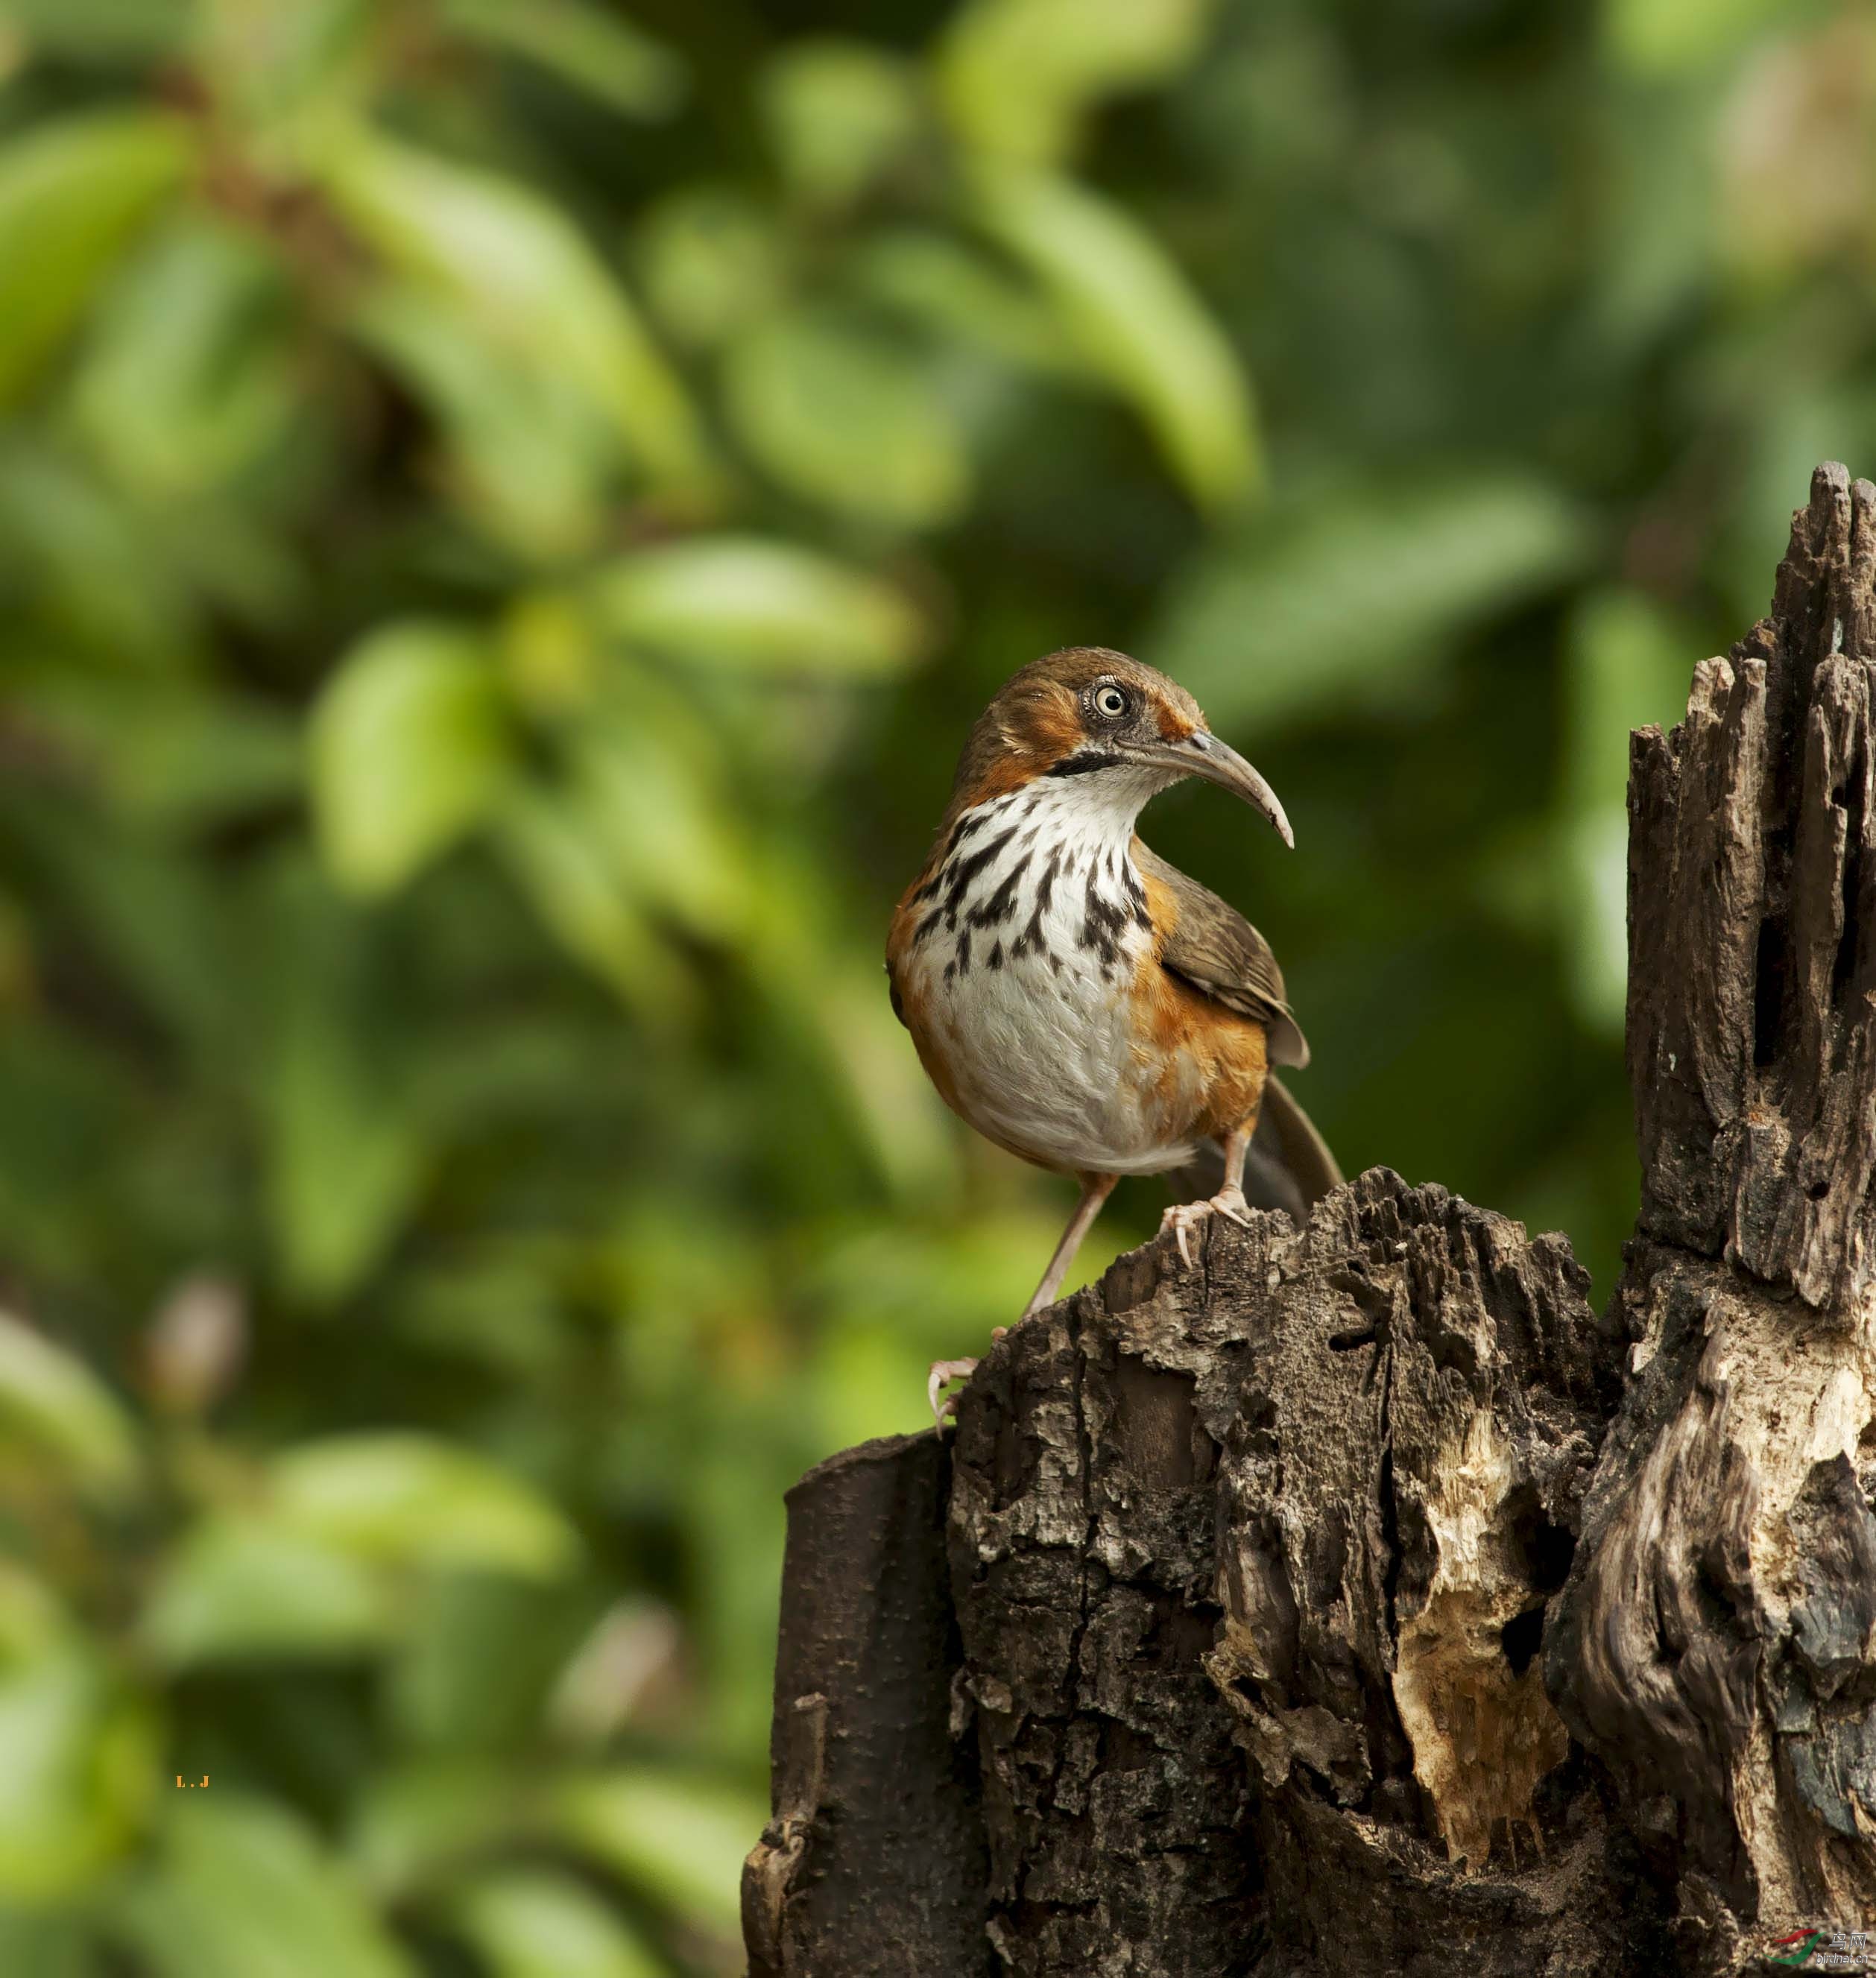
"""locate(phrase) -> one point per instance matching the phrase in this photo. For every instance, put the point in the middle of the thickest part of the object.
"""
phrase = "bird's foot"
(1184, 1217)
(943, 1371)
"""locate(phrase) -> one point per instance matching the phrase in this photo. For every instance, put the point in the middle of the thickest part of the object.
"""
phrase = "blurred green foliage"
(506, 508)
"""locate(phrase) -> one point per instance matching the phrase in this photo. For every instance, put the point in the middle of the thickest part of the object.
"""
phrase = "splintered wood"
(1359, 1601)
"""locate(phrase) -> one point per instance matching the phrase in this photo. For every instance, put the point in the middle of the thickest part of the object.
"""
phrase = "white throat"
(1100, 807)
(1043, 875)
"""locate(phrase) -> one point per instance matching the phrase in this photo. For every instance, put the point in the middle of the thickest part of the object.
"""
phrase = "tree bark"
(1715, 1646)
(875, 1859)
(1360, 1601)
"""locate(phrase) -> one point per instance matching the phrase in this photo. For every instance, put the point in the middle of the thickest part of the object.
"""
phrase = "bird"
(1077, 999)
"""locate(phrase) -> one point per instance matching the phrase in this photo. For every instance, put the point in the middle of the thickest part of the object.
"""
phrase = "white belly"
(1030, 1009)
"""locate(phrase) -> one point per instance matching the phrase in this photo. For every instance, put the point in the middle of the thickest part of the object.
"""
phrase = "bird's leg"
(1183, 1217)
(1230, 1200)
(1095, 1190)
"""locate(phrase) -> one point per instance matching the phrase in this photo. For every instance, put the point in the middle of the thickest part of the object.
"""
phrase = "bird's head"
(1088, 711)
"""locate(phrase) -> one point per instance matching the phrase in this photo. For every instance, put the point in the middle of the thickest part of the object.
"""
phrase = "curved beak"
(1203, 755)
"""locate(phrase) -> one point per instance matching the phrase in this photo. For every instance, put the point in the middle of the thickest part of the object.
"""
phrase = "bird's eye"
(1111, 702)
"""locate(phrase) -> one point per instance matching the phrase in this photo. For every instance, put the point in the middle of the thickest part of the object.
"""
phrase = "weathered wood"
(873, 1865)
(1752, 931)
(1250, 1565)
(1082, 1567)
(1360, 1601)
(1715, 1647)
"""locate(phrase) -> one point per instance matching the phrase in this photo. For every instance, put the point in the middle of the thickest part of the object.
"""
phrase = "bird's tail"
(1298, 1146)
(1289, 1166)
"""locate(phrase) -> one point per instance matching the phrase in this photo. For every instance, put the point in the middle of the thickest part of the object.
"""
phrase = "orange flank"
(1210, 1062)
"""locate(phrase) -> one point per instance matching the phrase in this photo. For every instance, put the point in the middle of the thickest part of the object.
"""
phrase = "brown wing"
(1216, 950)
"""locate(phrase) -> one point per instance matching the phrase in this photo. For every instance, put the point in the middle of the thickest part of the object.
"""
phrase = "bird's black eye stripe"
(1082, 761)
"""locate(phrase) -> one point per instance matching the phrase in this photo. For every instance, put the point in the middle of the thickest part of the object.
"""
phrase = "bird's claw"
(1184, 1217)
(1179, 1219)
(943, 1371)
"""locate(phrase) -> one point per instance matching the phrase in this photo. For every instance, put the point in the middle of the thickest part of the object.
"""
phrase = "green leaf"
(242, 1889)
(52, 1400)
(844, 417)
(173, 756)
(78, 1761)
(101, 31)
(946, 285)
(561, 864)
(711, 259)
(935, 1280)
(552, 656)
(48, 1946)
(149, 912)
(66, 1120)
(1628, 663)
(409, 749)
(188, 377)
(288, 76)
(1017, 77)
(1136, 320)
(737, 1532)
(526, 279)
(1662, 231)
(525, 458)
(1339, 598)
(412, 1823)
(532, 1923)
(588, 48)
(416, 1500)
(1672, 37)
(346, 1150)
(759, 605)
(88, 563)
(70, 192)
(838, 113)
(479, 1653)
(663, 818)
(680, 1840)
(824, 999)
(244, 1587)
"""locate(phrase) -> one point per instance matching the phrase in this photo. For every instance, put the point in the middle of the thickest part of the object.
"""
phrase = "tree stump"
(1360, 1601)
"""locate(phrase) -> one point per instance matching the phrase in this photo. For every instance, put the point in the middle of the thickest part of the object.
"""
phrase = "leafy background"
(506, 511)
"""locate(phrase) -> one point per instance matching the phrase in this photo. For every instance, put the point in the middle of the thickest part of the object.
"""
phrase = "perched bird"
(1079, 1001)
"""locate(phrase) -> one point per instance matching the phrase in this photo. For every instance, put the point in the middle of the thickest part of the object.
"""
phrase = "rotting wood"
(1360, 1602)
(874, 1859)
(1716, 1646)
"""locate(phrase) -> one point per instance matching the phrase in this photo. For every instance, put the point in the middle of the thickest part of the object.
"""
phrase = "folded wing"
(1212, 946)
